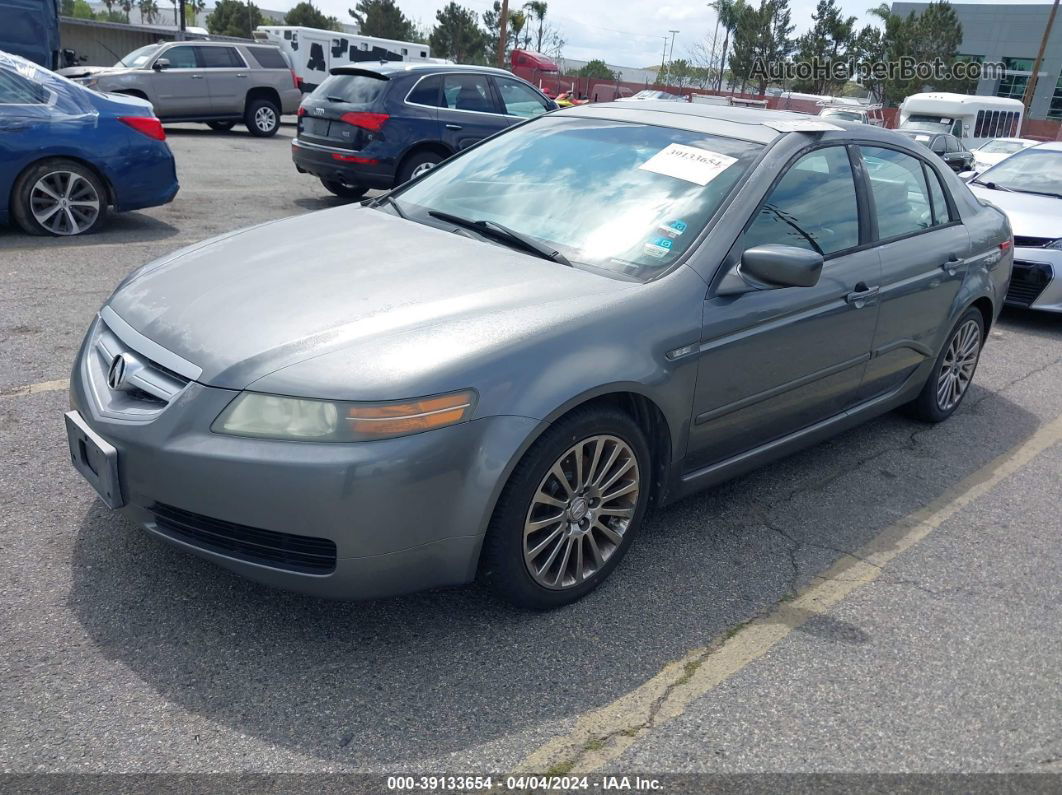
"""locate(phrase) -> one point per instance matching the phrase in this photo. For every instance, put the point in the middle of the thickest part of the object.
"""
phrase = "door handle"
(244, 76)
(197, 77)
(453, 126)
(858, 297)
(951, 264)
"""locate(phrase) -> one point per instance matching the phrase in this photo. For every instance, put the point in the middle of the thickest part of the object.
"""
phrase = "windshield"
(623, 197)
(1030, 171)
(1002, 147)
(926, 123)
(138, 57)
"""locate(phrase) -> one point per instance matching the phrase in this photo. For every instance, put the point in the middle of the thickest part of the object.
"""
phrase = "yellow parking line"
(604, 734)
(33, 389)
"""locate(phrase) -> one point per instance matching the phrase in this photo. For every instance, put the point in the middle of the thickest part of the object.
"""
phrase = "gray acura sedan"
(499, 367)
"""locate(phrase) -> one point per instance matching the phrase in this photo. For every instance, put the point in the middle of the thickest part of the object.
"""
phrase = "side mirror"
(551, 105)
(774, 265)
(160, 64)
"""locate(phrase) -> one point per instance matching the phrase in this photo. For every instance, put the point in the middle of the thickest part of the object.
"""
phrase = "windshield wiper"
(387, 199)
(498, 231)
(992, 185)
(1052, 194)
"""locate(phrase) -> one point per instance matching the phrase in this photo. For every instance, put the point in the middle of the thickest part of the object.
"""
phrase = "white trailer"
(313, 52)
(973, 118)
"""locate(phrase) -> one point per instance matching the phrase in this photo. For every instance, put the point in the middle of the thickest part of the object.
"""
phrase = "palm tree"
(729, 12)
(127, 7)
(517, 21)
(149, 11)
(537, 9)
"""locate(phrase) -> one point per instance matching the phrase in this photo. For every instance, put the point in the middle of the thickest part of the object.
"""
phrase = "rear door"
(469, 111)
(226, 73)
(181, 88)
(923, 248)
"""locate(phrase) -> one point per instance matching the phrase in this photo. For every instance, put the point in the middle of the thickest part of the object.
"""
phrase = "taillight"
(369, 161)
(301, 111)
(295, 79)
(1006, 245)
(367, 121)
(147, 125)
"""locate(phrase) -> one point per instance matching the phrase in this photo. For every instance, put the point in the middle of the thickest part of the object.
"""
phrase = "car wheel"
(221, 126)
(343, 189)
(569, 511)
(418, 164)
(262, 118)
(59, 197)
(953, 372)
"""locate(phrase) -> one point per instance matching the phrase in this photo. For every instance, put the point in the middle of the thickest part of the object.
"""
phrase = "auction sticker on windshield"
(688, 163)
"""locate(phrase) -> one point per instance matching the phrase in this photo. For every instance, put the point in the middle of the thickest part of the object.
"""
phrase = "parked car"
(652, 95)
(218, 82)
(379, 125)
(949, 148)
(1027, 186)
(997, 149)
(500, 366)
(68, 153)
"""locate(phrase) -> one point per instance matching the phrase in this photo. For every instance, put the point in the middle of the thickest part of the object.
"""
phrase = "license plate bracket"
(95, 459)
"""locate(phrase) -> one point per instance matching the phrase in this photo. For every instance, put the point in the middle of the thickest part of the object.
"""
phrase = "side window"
(814, 206)
(520, 100)
(426, 92)
(936, 193)
(467, 92)
(269, 57)
(17, 90)
(939, 145)
(180, 57)
(901, 199)
(220, 58)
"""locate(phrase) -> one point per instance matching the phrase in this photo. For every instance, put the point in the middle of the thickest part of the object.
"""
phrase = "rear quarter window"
(355, 89)
(268, 57)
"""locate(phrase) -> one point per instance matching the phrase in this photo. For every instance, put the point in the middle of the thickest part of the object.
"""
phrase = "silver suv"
(220, 83)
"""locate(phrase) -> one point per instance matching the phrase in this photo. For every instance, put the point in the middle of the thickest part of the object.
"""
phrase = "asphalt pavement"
(120, 654)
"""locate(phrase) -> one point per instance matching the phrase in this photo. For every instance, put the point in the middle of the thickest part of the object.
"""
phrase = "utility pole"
(668, 71)
(503, 31)
(715, 36)
(1030, 85)
(180, 22)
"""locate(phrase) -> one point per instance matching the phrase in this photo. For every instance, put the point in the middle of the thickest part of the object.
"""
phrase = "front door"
(777, 360)
(924, 247)
(226, 75)
(468, 111)
(181, 88)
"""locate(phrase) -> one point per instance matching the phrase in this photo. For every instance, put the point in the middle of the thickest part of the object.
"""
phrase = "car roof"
(413, 67)
(1051, 146)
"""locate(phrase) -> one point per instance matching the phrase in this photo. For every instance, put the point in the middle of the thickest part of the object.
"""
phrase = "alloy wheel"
(64, 203)
(265, 119)
(959, 364)
(580, 512)
(421, 169)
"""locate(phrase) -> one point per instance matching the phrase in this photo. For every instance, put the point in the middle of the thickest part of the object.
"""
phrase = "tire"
(937, 401)
(36, 211)
(417, 163)
(513, 548)
(221, 126)
(262, 118)
(344, 190)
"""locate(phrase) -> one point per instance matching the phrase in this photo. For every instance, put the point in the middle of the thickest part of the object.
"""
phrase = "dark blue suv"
(379, 125)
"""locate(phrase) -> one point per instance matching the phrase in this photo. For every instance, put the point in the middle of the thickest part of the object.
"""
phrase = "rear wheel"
(221, 126)
(344, 190)
(570, 510)
(954, 371)
(417, 164)
(59, 197)
(262, 118)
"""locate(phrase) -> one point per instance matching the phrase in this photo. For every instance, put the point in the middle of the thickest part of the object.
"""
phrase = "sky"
(622, 32)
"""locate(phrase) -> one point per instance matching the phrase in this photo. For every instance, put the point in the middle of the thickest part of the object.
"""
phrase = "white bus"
(974, 119)
(313, 52)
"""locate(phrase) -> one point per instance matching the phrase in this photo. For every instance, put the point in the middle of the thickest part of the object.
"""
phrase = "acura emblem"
(116, 372)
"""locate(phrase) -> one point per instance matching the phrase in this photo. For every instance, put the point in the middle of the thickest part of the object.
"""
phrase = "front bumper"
(333, 163)
(1036, 281)
(377, 518)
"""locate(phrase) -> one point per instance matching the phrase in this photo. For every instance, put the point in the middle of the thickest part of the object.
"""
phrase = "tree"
(66, 8)
(384, 19)
(597, 69)
(192, 10)
(830, 39)
(306, 15)
(536, 10)
(517, 21)
(761, 35)
(729, 13)
(919, 38)
(234, 18)
(149, 11)
(82, 10)
(127, 8)
(457, 35)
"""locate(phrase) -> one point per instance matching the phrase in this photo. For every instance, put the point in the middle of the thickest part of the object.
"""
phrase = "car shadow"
(1030, 321)
(420, 676)
(131, 227)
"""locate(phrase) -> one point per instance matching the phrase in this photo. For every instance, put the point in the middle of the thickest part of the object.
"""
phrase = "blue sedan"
(68, 153)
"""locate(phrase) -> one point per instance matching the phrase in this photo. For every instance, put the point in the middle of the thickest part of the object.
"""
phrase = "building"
(1011, 34)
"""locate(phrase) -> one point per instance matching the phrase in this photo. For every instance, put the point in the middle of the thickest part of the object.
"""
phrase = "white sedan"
(987, 155)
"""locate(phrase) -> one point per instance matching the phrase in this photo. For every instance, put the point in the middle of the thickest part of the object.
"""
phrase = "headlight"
(301, 419)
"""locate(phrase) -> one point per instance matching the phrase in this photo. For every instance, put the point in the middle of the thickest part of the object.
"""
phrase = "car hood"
(252, 303)
(74, 72)
(1030, 215)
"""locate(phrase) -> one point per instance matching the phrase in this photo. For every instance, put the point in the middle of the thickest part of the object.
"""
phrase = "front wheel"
(953, 372)
(262, 118)
(570, 510)
(344, 190)
(418, 164)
